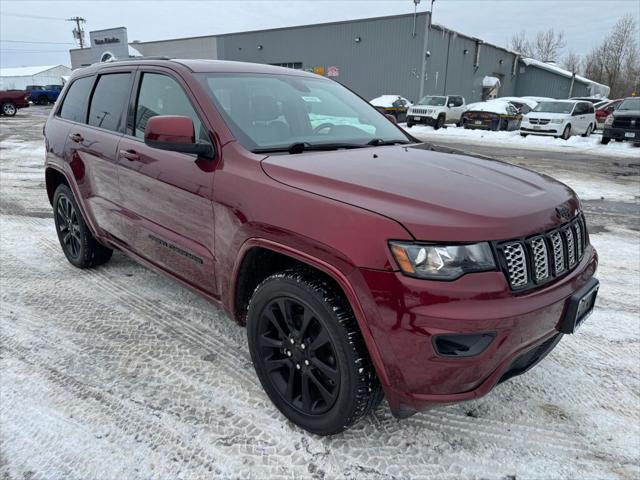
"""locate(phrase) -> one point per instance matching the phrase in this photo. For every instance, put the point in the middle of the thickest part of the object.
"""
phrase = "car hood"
(626, 113)
(547, 115)
(435, 195)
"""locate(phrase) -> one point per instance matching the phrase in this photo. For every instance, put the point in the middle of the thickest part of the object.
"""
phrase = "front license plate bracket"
(580, 307)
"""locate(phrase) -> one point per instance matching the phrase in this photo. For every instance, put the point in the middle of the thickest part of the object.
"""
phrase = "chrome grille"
(420, 111)
(571, 247)
(579, 245)
(558, 252)
(541, 258)
(516, 264)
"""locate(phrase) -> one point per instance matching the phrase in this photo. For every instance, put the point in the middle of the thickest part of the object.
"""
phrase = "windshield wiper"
(300, 147)
(378, 142)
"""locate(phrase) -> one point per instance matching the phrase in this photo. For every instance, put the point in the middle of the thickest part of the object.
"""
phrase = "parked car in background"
(539, 99)
(43, 94)
(362, 265)
(495, 115)
(592, 100)
(436, 110)
(560, 118)
(524, 105)
(12, 100)
(393, 105)
(604, 110)
(624, 123)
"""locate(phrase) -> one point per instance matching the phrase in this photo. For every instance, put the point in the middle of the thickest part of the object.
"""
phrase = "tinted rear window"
(108, 104)
(76, 99)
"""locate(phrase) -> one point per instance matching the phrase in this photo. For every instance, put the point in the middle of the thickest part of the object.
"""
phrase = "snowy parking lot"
(118, 372)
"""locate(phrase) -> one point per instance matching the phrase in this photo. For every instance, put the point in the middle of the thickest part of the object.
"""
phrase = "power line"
(31, 51)
(78, 32)
(44, 43)
(25, 15)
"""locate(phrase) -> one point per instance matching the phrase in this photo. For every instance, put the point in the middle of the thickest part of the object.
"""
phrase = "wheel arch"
(53, 179)
(258, 249)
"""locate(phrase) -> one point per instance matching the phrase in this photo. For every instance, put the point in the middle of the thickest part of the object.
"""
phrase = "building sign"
(333, 71)
(102, 41)
(318, 70)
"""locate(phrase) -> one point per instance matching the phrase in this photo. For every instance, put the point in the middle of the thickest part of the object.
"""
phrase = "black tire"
(523, 135)
(589, 130)
(9, 109)
(439, 122)
(78, 244)
(566, 133)
(43, 100)
(409, 124)
(319, 344)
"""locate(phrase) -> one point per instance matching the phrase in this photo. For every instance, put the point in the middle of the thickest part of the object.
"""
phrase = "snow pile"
(386, 101)
(498, 106)
(490, 82)
(513, 139)
(528, 101)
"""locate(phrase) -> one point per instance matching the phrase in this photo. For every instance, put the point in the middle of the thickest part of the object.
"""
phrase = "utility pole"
(425, 51)
(78, 32)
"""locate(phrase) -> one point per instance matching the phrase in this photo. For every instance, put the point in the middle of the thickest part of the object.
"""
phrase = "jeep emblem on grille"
(563, 213)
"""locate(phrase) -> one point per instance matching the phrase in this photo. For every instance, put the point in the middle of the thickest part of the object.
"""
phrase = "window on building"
(76, 99)
(109, 101)
(162, 95)
(294, 65)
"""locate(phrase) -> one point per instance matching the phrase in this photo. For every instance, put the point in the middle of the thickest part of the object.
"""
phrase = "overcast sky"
(584, 22)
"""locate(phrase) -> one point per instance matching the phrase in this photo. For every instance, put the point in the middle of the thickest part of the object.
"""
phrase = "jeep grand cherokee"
(363, 265)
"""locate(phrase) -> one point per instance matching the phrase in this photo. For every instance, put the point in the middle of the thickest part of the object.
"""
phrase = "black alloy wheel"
(298, 355)
(68, 226)
(308, 352)
(77, 242)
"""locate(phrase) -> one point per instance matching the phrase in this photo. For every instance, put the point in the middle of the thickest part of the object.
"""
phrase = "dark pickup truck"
(624, 123)
(12, 100)
(43, 95)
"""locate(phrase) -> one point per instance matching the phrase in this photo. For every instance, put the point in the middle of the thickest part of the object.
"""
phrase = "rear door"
(167, 196)
(96, 109)
(580, 120)
(456, 111)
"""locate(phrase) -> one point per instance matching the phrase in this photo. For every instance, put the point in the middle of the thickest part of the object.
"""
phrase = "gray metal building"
(400, 54)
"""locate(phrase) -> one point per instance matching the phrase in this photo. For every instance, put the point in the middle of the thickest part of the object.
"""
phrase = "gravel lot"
(120, 373)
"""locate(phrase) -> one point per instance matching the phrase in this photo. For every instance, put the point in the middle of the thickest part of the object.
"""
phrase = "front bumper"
(422, 119)
(549, 129)
(621, 134)
(405, 314)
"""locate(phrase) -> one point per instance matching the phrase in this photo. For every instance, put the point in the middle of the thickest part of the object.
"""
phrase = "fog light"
(462, 345)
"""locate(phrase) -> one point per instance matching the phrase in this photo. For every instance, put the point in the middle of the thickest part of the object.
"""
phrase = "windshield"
(269, 111)
(433, 101)
(554, 107)
(630, 104)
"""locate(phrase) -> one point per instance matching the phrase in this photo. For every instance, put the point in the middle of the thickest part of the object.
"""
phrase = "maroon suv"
(362, 263)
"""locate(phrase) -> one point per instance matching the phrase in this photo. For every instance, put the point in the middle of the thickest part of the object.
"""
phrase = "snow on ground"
(575, 144)
(118, 372)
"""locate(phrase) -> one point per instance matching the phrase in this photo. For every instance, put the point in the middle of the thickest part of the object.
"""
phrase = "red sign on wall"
(333, 71)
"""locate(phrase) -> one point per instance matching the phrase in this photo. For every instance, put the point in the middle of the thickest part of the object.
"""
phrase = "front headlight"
(442, 262)
(556, 120)
(609, 120)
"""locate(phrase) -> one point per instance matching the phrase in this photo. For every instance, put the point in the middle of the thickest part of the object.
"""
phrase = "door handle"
(76, 137)
(129, 155)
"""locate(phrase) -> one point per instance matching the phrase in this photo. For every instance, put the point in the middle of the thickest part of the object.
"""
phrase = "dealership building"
(402, 54)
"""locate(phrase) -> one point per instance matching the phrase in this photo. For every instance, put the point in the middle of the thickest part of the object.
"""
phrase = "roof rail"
(135, 59)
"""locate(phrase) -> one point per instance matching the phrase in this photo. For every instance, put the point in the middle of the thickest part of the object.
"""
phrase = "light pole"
(425, 51)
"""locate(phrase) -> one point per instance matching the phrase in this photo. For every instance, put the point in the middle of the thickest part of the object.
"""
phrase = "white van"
(560, 118)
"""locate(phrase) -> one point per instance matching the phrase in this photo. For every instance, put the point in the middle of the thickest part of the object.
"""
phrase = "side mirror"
(174, 133)
(391, 118)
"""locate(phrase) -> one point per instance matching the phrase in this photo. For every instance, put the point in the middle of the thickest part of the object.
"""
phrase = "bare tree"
(572, 62)
(520, 44)
(615, 62)
(545, 47)
(548, 44)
